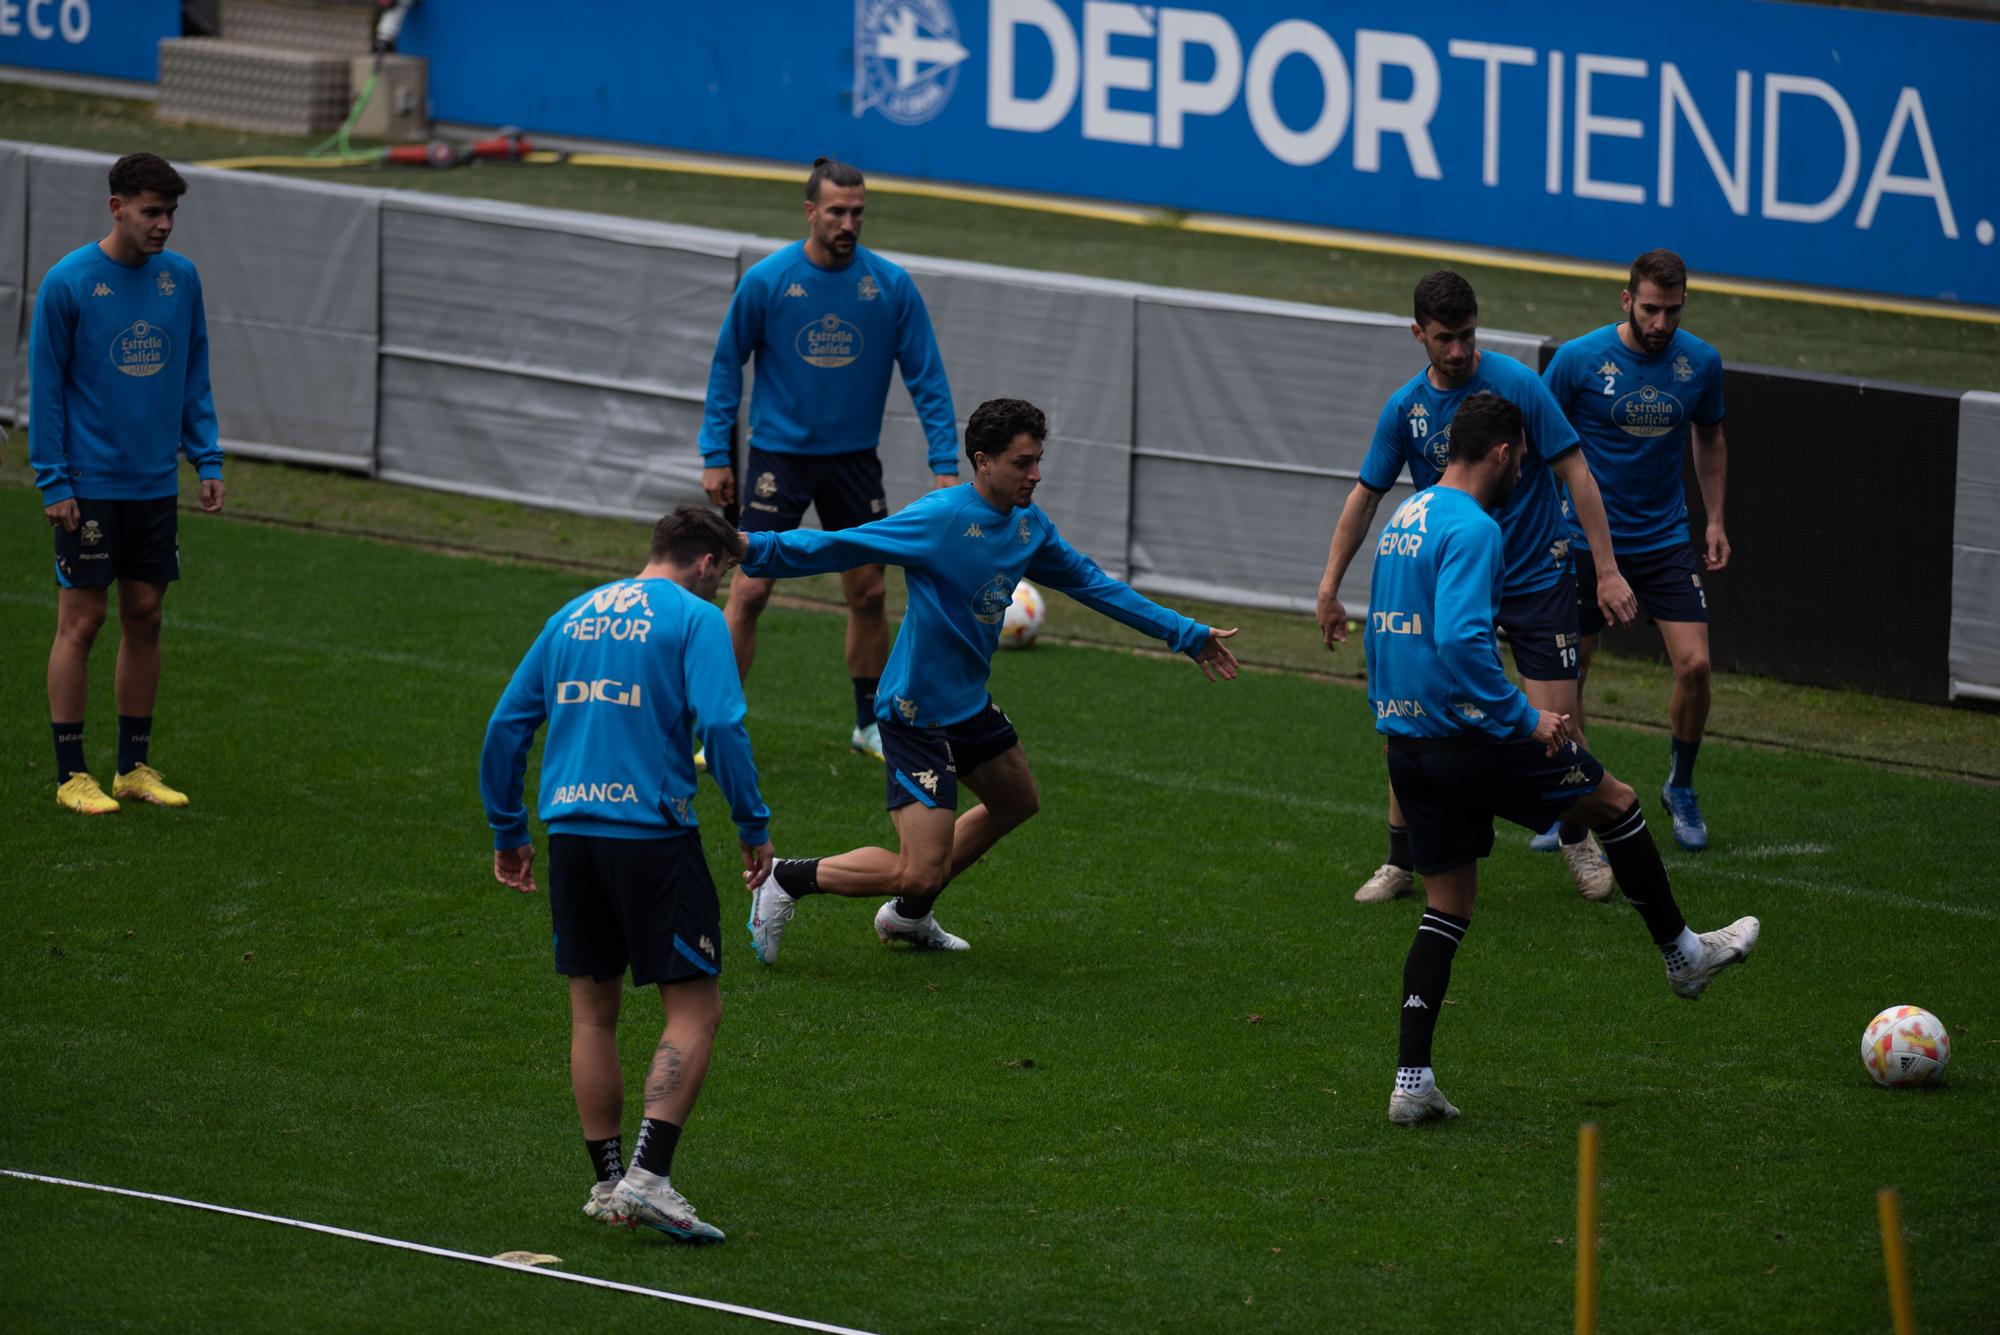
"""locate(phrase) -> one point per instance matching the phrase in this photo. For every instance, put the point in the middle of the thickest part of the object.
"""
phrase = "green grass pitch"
(1150, 1097)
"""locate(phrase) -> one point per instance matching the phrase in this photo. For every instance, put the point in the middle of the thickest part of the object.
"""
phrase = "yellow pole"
(1586, 1229)
(1891, 1216)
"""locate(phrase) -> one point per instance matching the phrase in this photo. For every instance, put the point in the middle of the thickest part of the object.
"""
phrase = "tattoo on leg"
(663, 1080)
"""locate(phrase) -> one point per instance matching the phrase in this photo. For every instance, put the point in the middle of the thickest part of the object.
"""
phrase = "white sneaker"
(923, 933)
(650, 1199)
(1388, 882)
(1719, 949)
(1588, 869)
(1409, 1109)
(868, 740)
(771, 910)
(603, 1205)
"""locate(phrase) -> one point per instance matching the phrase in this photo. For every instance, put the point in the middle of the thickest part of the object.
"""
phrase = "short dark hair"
(1446, 298)
(691, 532)
(1481, 422)
(1662, 268)
(136, 173)
(834, 172)
(995, 423)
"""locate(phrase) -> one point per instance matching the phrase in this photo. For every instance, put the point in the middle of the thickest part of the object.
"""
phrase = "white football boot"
(771, 911)
(1588, 869)
(868, 740)
(603, 1205)
(1719, 949)
(650, 1200)
(1407, 1109)
(923, 933)
(1388, 882)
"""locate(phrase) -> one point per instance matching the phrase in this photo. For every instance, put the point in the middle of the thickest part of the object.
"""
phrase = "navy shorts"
(846, 489)
(649, 904)
(1667, 584)
(120, 540)
(1451, 788)
(1542, 630)
(924, 763)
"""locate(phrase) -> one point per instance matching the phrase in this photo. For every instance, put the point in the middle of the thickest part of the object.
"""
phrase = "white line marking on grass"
(1890, 898)
(1781, 851)
(711, 1304)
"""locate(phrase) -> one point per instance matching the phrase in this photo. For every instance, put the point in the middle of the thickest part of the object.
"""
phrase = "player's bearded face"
(1655, 313)
(836, 217)
(1451, 350)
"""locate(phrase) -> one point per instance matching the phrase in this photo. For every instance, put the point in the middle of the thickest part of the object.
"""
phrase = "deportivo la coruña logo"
(165, 281)
(91, 533)
(141, 349)
(906, 58)
(1647, 412)
(829, 341)
(989, 605)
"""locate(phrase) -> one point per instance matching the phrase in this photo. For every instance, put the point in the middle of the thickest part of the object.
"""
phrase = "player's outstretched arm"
(1058, 565)
(1214, 658)
(902, 539)
(1356, 514)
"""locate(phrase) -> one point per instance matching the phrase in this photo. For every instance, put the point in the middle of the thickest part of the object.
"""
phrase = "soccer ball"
(1905, 1045)
(1024, 617)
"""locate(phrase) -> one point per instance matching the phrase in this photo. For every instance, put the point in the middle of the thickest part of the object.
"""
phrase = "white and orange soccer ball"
(1905, 1045)
(1024, 617)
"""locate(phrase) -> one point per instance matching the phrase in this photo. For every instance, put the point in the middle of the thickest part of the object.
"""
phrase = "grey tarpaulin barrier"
(1975, 552)
(288, 276)
(1253, 418)
(1062, 342)
(545, 356)
(13, 280)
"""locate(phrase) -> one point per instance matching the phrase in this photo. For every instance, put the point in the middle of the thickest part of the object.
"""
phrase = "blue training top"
(824, 341)
(618, 673)
(1634, 413)
(1415, 428)
(118, 367)
(1433, 666)
(961, 559)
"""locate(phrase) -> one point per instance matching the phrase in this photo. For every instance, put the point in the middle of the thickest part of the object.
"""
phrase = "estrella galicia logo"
(989, 605)
(1438, 443)
(141, 349)
(829, 341)
(906, 58)
(1647, 412)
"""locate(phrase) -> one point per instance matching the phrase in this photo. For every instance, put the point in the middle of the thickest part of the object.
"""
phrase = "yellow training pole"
(1586, 1229)
(1891, 1215)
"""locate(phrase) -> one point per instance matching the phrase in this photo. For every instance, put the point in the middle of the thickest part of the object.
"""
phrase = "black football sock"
(1399, 846)
(914, 907)
(797, 877)
(135, 735)
(1635, 862)
(1426, 974)
(1572, 834)
(864, 700)
(1680, 770)
(607, 1158)
(655, 1151)
(69, 751)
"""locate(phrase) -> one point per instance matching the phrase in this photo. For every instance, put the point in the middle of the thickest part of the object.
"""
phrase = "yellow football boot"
(142, 783)
(80, 793)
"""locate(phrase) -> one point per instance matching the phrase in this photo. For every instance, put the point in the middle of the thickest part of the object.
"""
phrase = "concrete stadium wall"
(1202, 443)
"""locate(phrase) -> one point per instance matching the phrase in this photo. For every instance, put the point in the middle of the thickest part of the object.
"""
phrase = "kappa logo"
(1559, 549)
(91, 533)
(1575, 776)
(101, 290)
(906, 58)
(1468, 711)
(165, 281)
(867, 287)
(1415, 1003)
(681, 810)
(767, 485)
(615, 612)
(928, 778)
(1404, 534)
(706, 946)
(1610, 368)
(795, 291)
(907, 708)
(974, 531)
(876, 505)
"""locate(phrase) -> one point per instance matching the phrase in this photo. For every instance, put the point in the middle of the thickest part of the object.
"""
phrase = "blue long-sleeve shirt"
(118, 375)
(961, 559)
(1415, 428)
(618, 673)
(1433, 666)
(825, 340)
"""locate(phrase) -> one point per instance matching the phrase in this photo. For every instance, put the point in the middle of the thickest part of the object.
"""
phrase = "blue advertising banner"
(1831, 147)
(116, 38)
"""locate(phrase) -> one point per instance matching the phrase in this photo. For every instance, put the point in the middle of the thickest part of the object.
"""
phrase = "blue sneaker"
(1690, 831)
(1549, 840)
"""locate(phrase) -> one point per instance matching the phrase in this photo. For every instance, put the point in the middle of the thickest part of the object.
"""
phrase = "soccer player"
(1538, 601)
(825, 318)
(1465, 745)
(618, 674)
(962, 550)
(1639, 391)
(118, 365)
